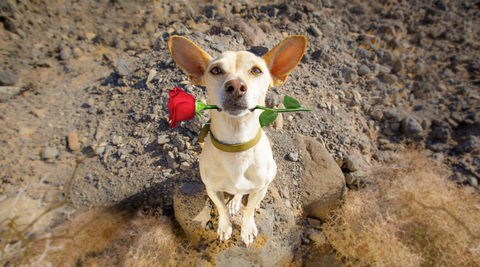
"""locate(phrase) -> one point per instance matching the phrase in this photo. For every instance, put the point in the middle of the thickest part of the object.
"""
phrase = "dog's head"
(237, 81)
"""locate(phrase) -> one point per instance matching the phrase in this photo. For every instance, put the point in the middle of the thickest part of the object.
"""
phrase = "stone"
(39, 113)
(442, 132)
(354, 163)
(73, 143)
(239, 38)
(472, 181)
(278, 234)
(390, 78)
(163, 139)
(317, 237)
(322, 56)
(8, 91)
(349, 74)
(377, 114)
(410, 126)
(178, 142)
(364, 70)
(398, 66)
(44, 63)
(123, 68)
(448, 73)
(352, 178)
(171, 161)
(293, 156)
(49, 152)
(65, 54)
(220, 47)
(259, 50)
(8, 78)
(316, 31)
(7, 8)
(252, 35)
(468, 144)
(322, 181)
(278, 123)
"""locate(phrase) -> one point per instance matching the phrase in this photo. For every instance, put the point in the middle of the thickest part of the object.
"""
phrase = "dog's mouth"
(235, 108)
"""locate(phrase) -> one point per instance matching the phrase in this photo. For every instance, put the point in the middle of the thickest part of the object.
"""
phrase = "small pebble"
(293, 156)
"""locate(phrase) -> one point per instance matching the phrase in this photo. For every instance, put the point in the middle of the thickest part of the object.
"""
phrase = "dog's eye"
(256, 71)
(216, 71)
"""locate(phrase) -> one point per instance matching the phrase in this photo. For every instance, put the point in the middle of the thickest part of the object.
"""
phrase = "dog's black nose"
(236, 87)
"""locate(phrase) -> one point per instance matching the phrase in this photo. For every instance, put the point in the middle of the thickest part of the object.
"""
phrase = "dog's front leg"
(224, 225)
(249, 229)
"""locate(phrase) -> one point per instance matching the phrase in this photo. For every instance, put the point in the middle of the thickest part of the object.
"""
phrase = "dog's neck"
(233, 130)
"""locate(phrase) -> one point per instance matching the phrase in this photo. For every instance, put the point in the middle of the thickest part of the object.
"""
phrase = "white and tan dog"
(236, 83)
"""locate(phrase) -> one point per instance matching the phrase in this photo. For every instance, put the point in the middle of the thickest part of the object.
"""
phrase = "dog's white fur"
(251, 171)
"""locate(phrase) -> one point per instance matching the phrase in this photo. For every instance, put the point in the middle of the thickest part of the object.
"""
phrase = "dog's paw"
(234, 205)
(224, 229)
(249, 232)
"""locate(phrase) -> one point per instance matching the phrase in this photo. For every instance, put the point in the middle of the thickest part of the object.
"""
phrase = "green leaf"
(290, 102)
(199, 116)
(267, 117)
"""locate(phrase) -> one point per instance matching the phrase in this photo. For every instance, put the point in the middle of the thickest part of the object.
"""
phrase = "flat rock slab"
(278, 235)
(322, 183)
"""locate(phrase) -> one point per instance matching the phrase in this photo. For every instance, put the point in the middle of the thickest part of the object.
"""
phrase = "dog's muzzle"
(235, 102)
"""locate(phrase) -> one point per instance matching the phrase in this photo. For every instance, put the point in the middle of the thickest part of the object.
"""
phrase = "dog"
(237, 82)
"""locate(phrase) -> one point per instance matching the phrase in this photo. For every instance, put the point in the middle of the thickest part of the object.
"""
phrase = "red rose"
(181, 106)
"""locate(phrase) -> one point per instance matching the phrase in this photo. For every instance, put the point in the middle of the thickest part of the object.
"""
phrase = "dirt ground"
(380, 75)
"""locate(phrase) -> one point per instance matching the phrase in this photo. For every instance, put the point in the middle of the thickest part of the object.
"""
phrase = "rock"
(293, 156)
(178, 142)
(7, 8)
(468, 144)
(7, 91)
(278, 123)
(396, 43)
(65, 54)
(442, 132)
(45, 63)
(271, 100)
(322, 182)
(123, 68)
(185, 166)
(383, 156)
(171, 161)
(398, 66)
(352, 178)
(73, 143)
(163, 139)
(363, 70)
(239, 38)
(322, 56)
(253, 35)
(49, 152)
(278, 235)
(8, 78)
(354, 163)
(220, 47)
(316, 31)
(259, 50)
(39, 113)
(448, 73)
(410, 126)
(390, 78)
(472, 181)
(377, 114)
(349, 74)
(117, 140)
(317, 237)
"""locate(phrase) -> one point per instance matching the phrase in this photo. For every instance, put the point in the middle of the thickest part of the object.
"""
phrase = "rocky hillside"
(380, 75)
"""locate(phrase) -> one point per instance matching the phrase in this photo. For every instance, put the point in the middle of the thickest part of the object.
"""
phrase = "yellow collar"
(225, 147)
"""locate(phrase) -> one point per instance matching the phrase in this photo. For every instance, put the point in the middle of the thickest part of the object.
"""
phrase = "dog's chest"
(237, 173)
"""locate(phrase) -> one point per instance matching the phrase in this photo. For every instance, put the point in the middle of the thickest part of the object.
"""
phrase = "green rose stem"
(268, 116)
(284, 110)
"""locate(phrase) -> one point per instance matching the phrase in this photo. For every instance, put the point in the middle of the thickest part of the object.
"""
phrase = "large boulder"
(322, 183)
(278, 235)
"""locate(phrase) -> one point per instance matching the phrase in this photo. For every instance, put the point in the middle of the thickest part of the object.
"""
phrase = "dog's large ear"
(189, 57)
(284, 57)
